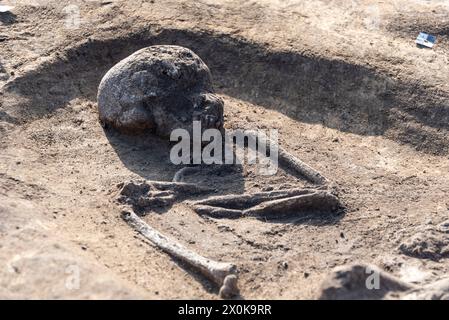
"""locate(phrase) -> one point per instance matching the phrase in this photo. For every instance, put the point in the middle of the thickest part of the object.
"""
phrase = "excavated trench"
(336, 94)
(345, 98)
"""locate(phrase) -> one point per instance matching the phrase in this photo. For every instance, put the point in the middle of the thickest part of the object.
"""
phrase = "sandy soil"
(342, 81)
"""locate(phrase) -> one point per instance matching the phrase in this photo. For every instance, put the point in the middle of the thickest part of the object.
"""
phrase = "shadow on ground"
(335, 94)
(7, 18)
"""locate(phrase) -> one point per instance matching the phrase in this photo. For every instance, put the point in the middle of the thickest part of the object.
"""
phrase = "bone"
(181, 187)
(321, 201)
(217, 212)
(158, 89)
(229, 287)
(245, 201)
(180, 174)
(264, 204)
(144, 196)
(215, 271)
(288, 160)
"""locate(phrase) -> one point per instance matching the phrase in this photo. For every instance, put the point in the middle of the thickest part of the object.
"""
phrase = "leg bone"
(321, 200)
(244, 201)
(288, 160)
(266, 203)
(213, 270)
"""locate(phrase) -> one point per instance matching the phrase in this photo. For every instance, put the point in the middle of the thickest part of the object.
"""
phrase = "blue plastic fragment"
(426, 40)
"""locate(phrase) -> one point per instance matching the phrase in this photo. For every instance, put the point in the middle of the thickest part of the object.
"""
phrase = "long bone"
(286, 159)
(264, 204)
(221, 273)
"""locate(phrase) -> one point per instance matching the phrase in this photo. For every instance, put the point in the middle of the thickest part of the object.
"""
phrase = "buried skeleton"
(182, 107)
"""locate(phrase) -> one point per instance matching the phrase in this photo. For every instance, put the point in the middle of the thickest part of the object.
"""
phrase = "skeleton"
(162, 88)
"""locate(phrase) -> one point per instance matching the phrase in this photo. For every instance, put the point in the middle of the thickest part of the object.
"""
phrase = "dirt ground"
(343, 82)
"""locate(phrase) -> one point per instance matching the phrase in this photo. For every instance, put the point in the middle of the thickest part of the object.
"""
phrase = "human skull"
(159, 89)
